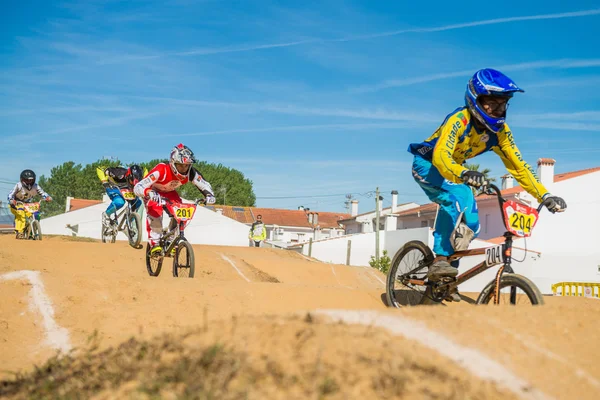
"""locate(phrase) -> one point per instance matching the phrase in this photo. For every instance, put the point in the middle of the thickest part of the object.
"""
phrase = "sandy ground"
(104, 289)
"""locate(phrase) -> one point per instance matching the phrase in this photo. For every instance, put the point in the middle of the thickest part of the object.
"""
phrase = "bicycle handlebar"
(492, 189)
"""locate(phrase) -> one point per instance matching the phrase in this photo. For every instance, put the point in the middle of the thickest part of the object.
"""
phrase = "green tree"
(75, 180)
(485, 172)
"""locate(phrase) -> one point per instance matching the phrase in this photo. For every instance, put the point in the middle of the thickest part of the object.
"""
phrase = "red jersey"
(162, 179)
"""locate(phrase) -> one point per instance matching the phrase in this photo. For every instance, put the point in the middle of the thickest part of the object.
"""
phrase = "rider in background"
(162, 181)
(438, 165)
(114, 179)
(24, 191)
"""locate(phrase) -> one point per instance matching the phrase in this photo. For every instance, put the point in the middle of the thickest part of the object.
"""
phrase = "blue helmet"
(489, 82)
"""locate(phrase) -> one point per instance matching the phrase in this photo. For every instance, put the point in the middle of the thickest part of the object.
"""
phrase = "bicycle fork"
(507, 256)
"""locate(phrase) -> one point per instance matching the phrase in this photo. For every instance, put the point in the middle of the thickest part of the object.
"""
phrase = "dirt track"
(94, 286)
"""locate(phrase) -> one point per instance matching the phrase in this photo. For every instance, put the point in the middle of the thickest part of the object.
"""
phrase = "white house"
(206, 227)
(365, 223)
(289, 226)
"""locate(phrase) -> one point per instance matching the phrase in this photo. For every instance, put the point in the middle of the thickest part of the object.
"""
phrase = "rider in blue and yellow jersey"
(114, 179)
(438, 165)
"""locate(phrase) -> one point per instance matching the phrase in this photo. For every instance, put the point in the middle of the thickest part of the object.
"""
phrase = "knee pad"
(461, 235)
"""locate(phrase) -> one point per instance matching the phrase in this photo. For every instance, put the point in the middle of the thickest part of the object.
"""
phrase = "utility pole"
(377, 225)
(223, 190)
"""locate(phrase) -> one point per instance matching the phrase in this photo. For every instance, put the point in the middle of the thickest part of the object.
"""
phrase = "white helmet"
(181, 161)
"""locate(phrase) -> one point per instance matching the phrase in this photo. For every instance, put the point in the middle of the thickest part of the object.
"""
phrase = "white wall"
(570, 241)
(207, 227)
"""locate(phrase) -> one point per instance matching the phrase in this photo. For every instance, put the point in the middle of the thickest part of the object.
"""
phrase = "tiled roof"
(574, 174)
(240, 214)
(506, 192)
(425, 208)
(282, 217)
(77, 204)
(557, 178)
(383, 209)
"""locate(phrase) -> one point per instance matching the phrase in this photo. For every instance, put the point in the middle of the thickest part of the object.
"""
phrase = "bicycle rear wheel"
(413, 261)
(183, 262)
(36, 230)
(514, 290)
(153, 264)
(133, 230)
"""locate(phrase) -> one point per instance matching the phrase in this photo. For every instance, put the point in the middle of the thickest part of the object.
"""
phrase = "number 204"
(520, 221)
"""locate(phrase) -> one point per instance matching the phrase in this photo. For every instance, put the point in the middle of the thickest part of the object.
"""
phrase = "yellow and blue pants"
(453, 198)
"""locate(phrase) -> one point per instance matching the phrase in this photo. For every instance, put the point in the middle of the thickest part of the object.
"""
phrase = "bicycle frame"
(180, 215)
(495, 255)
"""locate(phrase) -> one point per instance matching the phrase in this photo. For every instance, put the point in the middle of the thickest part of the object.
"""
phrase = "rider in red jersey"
(162, 181)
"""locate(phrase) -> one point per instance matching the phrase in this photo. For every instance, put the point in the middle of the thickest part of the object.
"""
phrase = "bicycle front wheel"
(514, 290)
(37, 230)
(410, 262)
(133, 230)
(183, 262)
(153, 264)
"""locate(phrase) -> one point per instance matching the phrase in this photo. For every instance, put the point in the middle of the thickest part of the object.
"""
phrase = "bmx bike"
(129, 224)
(173, 242)
(410, 265)
(32, 230)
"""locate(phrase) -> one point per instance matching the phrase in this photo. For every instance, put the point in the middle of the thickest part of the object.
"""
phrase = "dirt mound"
(255, 358)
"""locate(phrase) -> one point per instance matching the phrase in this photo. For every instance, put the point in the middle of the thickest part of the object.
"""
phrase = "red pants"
(154, 218)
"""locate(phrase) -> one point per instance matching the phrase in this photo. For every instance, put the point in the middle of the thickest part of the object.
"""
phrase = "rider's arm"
(443, 151)
(517, 166)
(11, 195)
(101, 172)
(40, 191)
(201, 184)
(142, 188)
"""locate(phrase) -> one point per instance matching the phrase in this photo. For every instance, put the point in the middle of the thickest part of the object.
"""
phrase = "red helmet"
(181, 161)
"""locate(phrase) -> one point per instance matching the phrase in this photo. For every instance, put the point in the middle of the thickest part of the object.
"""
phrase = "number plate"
(184, 213)
(493, 255)
(127, 195)
(519, 218)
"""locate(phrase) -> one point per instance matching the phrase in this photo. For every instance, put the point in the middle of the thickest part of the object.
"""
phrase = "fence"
(581, 289)
(6, 219)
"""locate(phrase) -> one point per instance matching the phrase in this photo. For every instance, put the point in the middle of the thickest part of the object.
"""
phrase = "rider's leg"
(154, 213)
(19, 219)
(453, 199)
(117, 201)
(136, 204)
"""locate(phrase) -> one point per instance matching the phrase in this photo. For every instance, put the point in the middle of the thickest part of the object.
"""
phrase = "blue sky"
(312, 98)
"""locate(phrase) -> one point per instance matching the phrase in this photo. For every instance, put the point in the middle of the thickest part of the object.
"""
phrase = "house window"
(487, 217)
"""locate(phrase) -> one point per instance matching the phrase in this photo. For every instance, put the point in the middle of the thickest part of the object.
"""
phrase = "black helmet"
(28, 178)
(134, 174)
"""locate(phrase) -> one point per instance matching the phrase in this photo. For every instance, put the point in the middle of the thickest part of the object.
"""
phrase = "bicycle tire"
(134, 219)
(514, 281)
(157, 262)
(413, 296)
(189, 260)
(36, 230)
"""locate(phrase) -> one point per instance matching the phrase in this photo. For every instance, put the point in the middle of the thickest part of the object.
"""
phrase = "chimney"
(310, 218)
(316, 219)
(68, 204)
(394, 201)
(301, 208)
(354, 212)
(380, 204)
(545, 171)
(507, 181)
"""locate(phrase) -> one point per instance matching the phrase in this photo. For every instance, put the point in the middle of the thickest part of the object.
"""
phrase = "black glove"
(555, 203)
(106, 185)
(473, 178)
